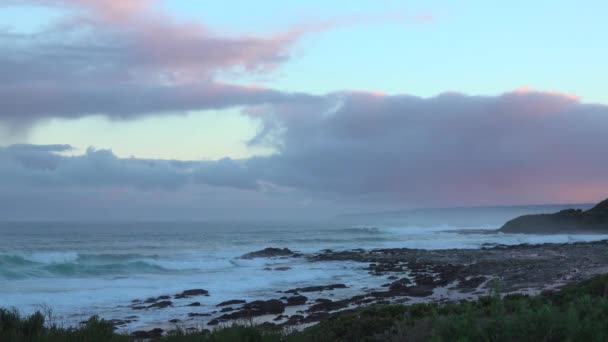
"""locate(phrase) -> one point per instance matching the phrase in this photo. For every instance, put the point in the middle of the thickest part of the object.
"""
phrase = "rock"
(268, 253)
(227, 309)
(317, 288)
(232, 302)
(296, 300)
(192, 293)
(175, 320)
(282, 268)
(256, 308)
(161, 305)
(264, 307)
(214, 321)
(196, 314)
(194, 304)
(594, 220)
(115, 322)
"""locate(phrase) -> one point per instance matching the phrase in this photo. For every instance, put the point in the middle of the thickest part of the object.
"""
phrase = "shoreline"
(412, 276)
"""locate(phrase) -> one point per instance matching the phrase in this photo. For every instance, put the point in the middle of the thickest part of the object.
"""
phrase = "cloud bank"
(452, 149)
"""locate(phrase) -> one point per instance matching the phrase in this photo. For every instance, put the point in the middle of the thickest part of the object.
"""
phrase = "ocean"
(83, 268)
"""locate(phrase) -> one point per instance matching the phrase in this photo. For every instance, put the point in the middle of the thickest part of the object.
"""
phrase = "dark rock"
(115, 322)
(272, 306)
(163, 297)
(282, 268)
(192, 293)
(161, 305)
(194, 304)
(317, 288)
(227, 309)
(268, 253)
(175, 320)
(256, 308)
(294, 320)
(594, 220)
(150, 300)
(232, 302)
(214, 321)
(196, 314)
(296, 300)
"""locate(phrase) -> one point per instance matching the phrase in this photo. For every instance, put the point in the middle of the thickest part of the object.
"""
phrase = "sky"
(177, 109)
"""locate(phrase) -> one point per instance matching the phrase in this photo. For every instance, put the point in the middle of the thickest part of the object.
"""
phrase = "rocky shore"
(409, 276)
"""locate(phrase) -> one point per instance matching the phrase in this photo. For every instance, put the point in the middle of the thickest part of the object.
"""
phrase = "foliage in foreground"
(577, 313)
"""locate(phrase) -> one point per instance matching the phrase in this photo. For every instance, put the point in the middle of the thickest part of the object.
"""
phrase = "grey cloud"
(453, 149)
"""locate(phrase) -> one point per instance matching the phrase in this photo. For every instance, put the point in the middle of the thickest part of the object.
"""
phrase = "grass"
(576, 313)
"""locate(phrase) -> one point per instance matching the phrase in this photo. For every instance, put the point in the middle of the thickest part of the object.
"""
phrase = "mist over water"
(85, 268)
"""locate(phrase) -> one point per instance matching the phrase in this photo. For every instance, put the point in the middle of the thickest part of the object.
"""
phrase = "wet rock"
(232, 302)
(296, 300)
(227, 309)
(175, 320)
(197, 314)
(268, 253)
(214, 321)
(256, 308)
(160, 305)
(295, 320)
(282, 268)
(192, 293)
(194, 304)
(328, 305)
(317, 288)
(264, 307)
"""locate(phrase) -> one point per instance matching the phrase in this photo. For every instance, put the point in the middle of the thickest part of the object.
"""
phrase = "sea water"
(83, 268)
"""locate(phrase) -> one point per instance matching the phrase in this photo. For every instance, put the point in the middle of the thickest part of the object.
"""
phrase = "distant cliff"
(594, 220)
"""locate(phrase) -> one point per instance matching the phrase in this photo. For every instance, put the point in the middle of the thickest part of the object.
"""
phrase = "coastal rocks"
(282, 268)
(160, 305)
(253, 309)
(265, 307)
(317, 288)
(191, 293)
(232, 302)
(296, 300)
(594, 220)
(194, 304)
(268, 253)
(197, 314)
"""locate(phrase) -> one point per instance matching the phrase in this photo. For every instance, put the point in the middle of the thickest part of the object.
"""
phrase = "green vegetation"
(577, 313)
